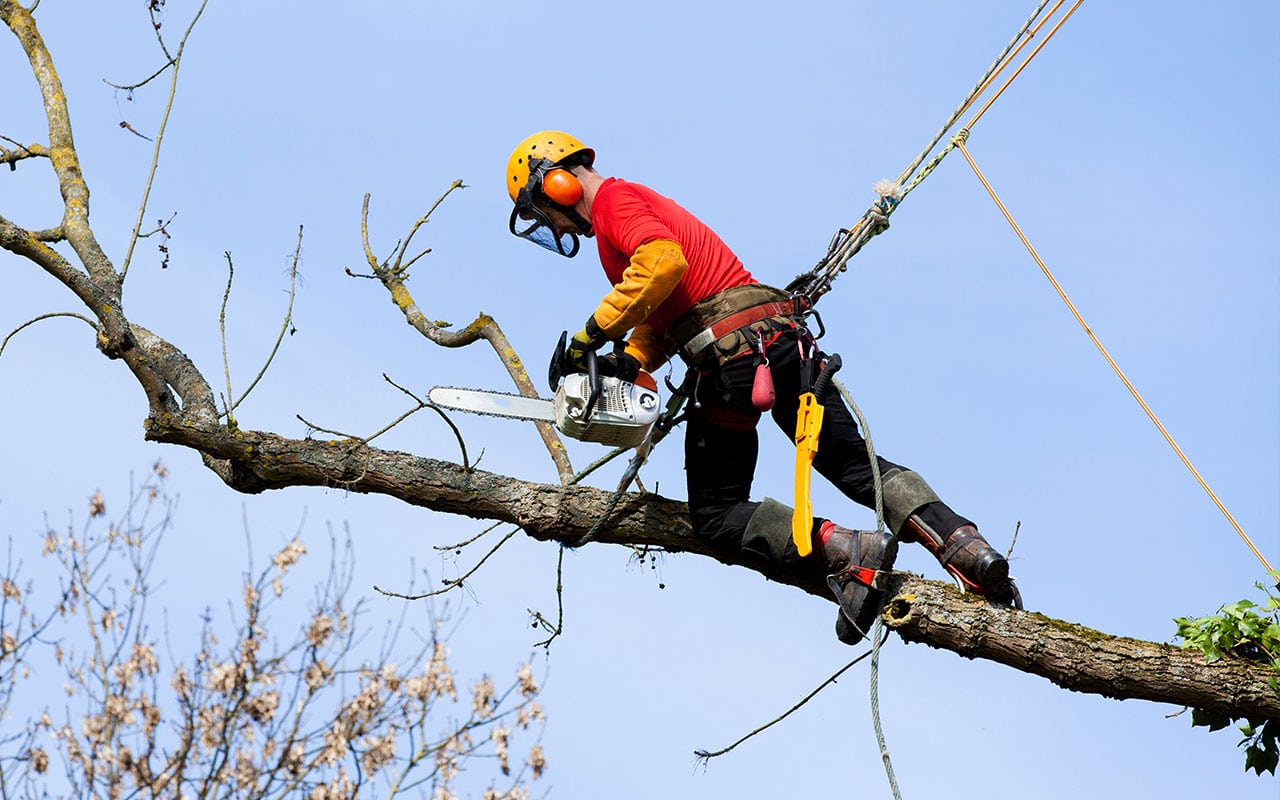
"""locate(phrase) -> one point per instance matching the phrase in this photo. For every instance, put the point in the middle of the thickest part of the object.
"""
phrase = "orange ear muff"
(561, 187)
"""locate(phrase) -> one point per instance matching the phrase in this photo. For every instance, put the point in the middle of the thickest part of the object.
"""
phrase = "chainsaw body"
(617, 413)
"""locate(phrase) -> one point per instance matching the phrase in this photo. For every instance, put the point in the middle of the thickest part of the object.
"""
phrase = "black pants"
(721, 448)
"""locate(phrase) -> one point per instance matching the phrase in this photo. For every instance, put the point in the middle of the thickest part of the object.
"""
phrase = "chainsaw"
(589, 407)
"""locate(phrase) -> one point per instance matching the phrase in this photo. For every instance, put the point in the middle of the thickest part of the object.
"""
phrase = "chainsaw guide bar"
(495, 404)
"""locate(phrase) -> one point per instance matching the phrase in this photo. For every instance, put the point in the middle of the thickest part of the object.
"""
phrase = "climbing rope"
(878, 634)
(1115, 367)
(848, 243)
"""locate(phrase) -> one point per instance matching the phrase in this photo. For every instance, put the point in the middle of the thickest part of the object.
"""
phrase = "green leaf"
(1214, 722)
(1261, 759)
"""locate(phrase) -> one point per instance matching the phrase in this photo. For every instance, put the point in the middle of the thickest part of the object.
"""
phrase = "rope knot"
(878, 218)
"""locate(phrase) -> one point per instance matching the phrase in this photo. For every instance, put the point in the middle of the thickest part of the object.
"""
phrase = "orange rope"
(1019, 70)
(1107, 355)
(986, 84)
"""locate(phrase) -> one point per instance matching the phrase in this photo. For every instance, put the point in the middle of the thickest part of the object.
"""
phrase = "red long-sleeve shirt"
(627, 215)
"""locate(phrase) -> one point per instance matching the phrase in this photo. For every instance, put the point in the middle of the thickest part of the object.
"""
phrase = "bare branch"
(284, 328)
(465, 542)
(393, 276)
(452, 583)
(558, 628)
(5, 342)
(222, 330)
(130, 87)
(21, 151)
(462, 444)
(61, 149)
(175, 61)
(706, 755)
(1075, 657)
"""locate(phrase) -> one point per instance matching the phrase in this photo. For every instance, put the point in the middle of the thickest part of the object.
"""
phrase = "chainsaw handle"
(595, 382)
(555, 371)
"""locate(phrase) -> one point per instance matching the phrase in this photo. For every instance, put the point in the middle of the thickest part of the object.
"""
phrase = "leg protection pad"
(905, 492)
(768, 536)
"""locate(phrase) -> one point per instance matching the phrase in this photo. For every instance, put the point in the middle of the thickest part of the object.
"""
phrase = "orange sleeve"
(654, 272)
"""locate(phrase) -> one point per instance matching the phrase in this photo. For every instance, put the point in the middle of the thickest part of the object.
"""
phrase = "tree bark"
(1072, 656)
(1075, 657)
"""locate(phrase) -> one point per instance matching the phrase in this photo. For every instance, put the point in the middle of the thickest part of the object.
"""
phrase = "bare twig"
(394, 423)
(314, 427)
(451, 583)
(402, 267)
(421, 404)
(457, 434)
(1014, 541)
(4, 343)
(20, 151)
(705, 755)
(125, 124)
(130, 87)
(222, 329)
(465, 542)
(174, 61)
(462, 444)
(285, 326)
(597, 464)
(160, 228)
(559, 626)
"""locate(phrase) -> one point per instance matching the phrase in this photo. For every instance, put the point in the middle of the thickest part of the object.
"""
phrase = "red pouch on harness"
(762, 395)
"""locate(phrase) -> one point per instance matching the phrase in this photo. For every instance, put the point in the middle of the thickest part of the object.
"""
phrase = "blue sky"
(1137, 152)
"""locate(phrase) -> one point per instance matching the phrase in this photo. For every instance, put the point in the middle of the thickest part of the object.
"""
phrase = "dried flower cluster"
(270, 710)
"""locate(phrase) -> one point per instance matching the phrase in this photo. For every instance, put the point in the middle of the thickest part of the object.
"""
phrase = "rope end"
(887, 189)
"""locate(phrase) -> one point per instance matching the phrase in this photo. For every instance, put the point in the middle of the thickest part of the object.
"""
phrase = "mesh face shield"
(530, 222)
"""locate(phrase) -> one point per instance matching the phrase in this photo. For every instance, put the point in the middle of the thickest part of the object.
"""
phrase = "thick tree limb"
(1072, 656)
(1075, 657)
(62, 149)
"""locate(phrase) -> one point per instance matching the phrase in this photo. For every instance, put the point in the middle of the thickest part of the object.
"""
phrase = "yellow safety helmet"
(553, 146)
(539, 172)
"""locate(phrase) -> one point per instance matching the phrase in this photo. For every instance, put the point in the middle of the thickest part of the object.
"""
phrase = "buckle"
(870, 578)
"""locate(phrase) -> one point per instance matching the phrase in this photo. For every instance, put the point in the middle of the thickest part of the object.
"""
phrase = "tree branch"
(175, 61)
(21, 151)
(393, 276)
(62, 149)
(1071, 656)
(1078, 658)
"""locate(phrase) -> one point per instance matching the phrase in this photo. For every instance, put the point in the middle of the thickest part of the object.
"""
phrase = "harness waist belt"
(739, 319)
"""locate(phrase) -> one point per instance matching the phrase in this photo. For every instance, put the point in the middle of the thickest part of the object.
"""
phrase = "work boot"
(978, 566)
(856, 560)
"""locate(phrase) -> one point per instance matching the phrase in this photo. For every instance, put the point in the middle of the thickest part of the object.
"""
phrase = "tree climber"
(677, 288)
